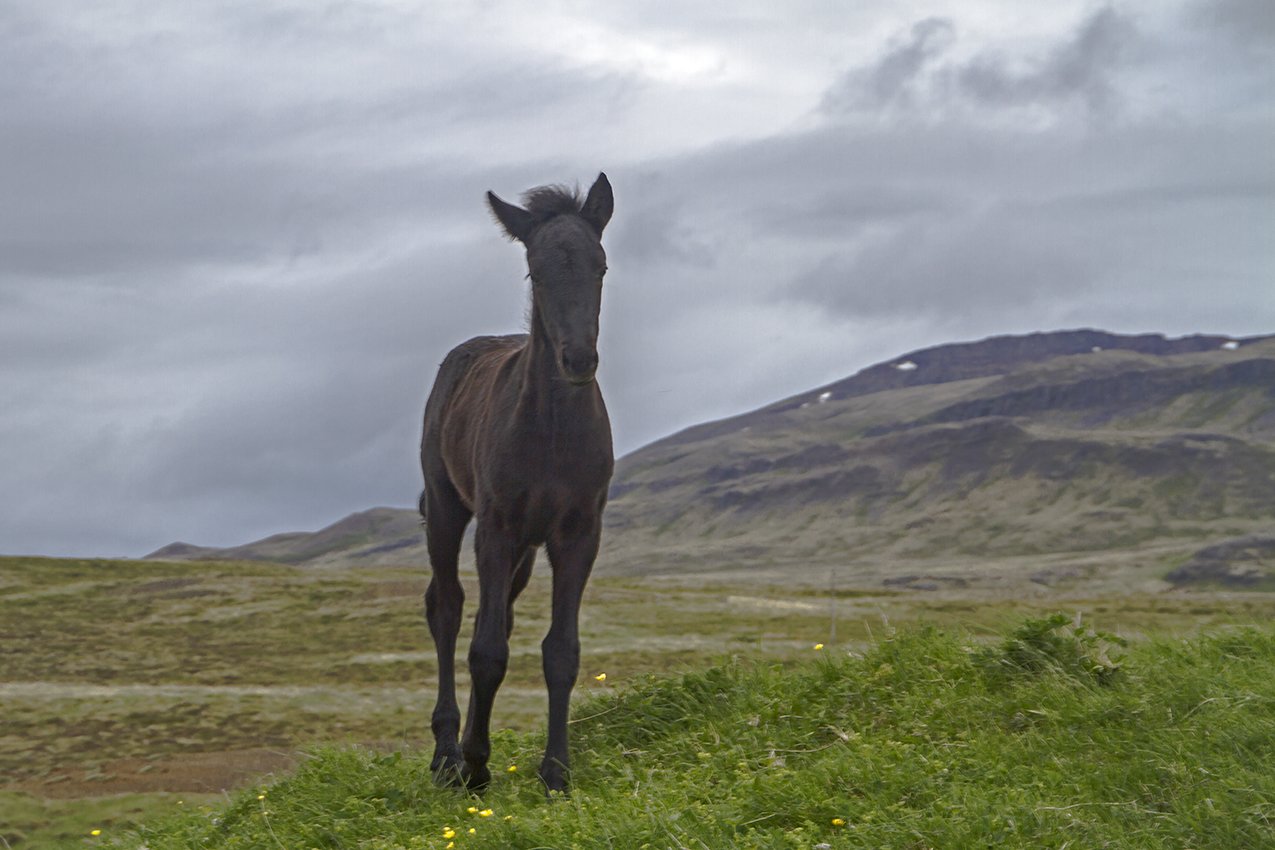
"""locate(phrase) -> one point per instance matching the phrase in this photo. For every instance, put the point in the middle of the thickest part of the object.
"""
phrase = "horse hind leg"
(445, 521)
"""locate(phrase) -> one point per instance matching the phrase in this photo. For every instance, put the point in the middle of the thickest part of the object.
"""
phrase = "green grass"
(1048, 737)
(26, 820)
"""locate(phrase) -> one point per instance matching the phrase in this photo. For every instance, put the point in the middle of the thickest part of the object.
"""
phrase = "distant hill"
(379, 535)
(1029, 454)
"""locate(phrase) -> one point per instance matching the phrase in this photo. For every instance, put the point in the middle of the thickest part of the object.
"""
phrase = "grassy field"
(131, 689)
(1048, 738)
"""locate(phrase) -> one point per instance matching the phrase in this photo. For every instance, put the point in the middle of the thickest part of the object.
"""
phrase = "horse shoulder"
(461, 405)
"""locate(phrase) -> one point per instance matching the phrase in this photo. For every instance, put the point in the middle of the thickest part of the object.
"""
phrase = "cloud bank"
(238, 238)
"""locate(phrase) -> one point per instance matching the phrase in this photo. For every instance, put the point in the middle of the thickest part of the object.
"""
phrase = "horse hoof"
(554, 777)
(475, 779)
(447, 770)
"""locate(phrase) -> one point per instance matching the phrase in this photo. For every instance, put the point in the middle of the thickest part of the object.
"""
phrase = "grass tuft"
(1058, 643)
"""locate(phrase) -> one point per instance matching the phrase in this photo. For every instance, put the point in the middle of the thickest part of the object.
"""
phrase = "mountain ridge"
(1010, 447)
(964, 360)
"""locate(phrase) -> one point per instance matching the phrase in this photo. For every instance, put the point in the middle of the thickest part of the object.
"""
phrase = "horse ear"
(599, 204)
(515, 220)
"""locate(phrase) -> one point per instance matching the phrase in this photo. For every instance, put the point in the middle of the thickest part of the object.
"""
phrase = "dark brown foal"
(516, 434)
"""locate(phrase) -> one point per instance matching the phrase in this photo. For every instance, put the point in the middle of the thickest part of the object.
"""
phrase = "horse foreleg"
(572, 561)
(488, 652)
(444, 600)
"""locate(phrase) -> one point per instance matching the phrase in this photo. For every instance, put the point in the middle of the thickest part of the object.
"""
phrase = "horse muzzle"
(579, 365)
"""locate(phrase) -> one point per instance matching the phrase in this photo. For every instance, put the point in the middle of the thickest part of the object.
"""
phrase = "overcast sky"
(236, 238)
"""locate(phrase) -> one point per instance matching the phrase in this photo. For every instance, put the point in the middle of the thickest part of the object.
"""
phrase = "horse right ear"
(599, 205)
(515, 220)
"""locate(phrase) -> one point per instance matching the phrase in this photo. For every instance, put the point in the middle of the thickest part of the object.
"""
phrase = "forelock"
(546, 202)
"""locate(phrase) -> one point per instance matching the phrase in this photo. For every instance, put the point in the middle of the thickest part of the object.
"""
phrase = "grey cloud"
(238, 241)
(1079, 68)
(843, 213)
(126, 154)
(1099, 221)
(955, 270)
(658, 233)
(262, 406)
(963, 221)
(893, 79)
(915, 76)
(1251, 22)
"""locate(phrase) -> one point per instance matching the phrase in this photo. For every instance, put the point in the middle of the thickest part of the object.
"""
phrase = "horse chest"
(534, 487)
(555, 472)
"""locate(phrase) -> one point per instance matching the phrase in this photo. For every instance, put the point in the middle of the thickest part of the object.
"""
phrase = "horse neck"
(545, 395)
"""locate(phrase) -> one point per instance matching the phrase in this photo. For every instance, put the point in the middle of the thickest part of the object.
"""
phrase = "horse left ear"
(516, 221)
(599, 204)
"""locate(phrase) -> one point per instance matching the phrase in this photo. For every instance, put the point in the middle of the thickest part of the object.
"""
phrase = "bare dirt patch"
(202, 773)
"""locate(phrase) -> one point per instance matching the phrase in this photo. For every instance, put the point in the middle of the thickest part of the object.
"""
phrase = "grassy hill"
(1058, 459)
(373, 536)
(1108, 466)
(1047, 738)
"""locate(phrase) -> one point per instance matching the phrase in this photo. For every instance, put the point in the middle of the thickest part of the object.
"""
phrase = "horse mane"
(545, 202)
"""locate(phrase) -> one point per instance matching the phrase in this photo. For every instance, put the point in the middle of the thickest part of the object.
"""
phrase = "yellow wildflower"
(486, 813)
(513, 768)
(601, 677)
(450, 845)
(95, 832)
(473, 810)
(473, 831)
(838, 822)
(449, 833)
(818, 647)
